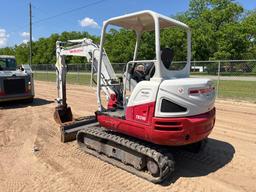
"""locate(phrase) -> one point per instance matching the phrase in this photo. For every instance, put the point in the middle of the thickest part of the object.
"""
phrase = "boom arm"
(83, 48)
(79, 48)
(61, 70)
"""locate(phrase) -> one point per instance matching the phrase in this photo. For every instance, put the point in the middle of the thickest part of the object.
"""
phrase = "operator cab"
(138, 71)
(145, 71)
(148, 84)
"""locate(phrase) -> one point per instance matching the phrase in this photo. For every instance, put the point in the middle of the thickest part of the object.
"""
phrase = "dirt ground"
(32, 158)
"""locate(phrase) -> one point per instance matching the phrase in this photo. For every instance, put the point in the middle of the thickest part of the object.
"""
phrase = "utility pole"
(30, 34)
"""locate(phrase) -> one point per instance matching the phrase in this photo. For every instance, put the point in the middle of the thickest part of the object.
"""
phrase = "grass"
(82, 79)
(238, 90)
(228, 89)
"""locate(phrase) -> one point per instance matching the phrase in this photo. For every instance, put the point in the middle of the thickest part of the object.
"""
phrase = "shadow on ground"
(24, 103)
(215, 156)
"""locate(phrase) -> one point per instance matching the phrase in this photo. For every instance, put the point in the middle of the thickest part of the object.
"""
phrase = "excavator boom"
(83, 48)
(63, 113)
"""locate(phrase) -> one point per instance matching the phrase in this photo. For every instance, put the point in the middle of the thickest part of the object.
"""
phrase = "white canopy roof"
(145, 21)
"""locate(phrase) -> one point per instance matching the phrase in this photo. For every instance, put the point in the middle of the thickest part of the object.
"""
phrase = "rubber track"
(165, 163)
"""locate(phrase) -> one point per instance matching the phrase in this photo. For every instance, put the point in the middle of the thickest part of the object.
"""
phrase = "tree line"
(221, 29)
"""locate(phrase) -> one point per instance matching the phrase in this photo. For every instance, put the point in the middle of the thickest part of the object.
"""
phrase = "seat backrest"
(167, 57)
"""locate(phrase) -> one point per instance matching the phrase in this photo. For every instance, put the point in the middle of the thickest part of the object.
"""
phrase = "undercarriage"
(149, 161)
(135, 156)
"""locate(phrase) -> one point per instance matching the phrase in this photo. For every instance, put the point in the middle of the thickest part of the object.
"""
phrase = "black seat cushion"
(167, 57)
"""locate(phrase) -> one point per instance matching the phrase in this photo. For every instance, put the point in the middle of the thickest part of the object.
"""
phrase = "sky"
(56, 16)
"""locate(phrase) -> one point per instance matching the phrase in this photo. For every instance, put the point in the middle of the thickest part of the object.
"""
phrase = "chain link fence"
(234, 79)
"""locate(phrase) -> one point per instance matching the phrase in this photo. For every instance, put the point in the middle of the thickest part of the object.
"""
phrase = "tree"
(22, 53)
(196, 8)
(119, 45)
(249, 31)
(7, 51)
(216, 29)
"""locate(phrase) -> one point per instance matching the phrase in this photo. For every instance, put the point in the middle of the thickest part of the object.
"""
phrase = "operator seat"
(166, 57)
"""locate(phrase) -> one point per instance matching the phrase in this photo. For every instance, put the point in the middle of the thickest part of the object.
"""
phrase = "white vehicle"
(164, 107)
(15, 83)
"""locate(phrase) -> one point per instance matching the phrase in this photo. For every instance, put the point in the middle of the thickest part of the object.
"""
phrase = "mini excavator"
(151, 108)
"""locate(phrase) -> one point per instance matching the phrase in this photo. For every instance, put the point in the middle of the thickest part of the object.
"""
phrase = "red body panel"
(141, 123)
(112, 101)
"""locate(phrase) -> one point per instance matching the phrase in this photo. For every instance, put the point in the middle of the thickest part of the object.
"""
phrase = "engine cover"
(184, 97)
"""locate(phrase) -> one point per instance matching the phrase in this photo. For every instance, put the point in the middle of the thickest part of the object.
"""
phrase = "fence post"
(77, 73)
(218, 82)
(91, 78)
(46, 72)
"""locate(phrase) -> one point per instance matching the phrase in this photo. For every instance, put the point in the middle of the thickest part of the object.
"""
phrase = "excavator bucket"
(63, 114)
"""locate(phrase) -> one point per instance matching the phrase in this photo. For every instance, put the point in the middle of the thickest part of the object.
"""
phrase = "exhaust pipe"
(63, 114)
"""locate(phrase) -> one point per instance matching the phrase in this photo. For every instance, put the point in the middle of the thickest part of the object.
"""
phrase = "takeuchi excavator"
(151, 109)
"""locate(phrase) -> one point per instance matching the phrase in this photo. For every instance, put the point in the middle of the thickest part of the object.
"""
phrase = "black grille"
(14, 86)
(168, 106)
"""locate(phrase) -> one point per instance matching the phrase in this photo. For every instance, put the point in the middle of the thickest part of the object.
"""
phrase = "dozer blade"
(69, 130)
(63, 114)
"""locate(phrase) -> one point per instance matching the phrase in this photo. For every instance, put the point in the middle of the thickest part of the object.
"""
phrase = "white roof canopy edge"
(172, 22)
(140, 22)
